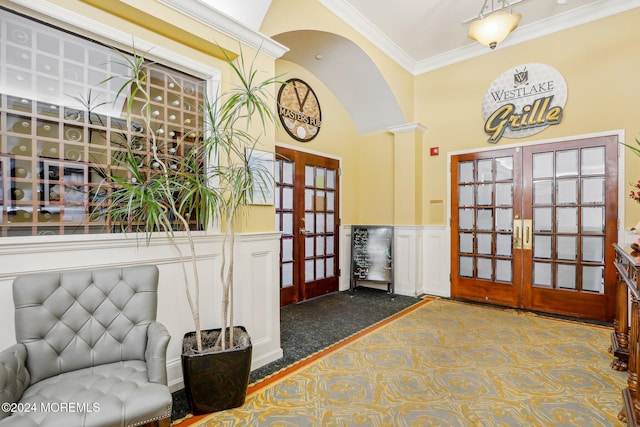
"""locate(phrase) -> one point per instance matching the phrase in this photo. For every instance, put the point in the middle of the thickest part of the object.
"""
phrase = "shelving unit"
(625, 338)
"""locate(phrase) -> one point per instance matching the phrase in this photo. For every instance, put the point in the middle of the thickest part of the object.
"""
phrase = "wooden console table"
(626, 338)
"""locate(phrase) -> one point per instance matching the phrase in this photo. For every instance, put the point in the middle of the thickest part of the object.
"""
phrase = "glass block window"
(62, 126)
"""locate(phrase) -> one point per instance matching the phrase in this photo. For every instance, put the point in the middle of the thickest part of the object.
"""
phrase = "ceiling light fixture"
(491, 28)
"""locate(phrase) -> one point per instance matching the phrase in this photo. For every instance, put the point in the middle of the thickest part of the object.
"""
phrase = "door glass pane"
(567, 163)
(543, 165)
(504, 219)
(593, 190)
(566, 220)
(484, 243)
(320, 223)
(276, 200)
(465, 266)
(593, 249)
(485, 219)
(466, 243)
(287, 172)
(309, 176)
(331, 179)
(503, 244)
(566, 276)
(309, 274)
(287, 275)
(485, 170)
(319, 268)
(309, 222)
(331, 201)
(465, 172)
(542, 192)
(567, 247)
(287, 223)
(593, 161)
(485, 194)
(330, 245)
(308, 199)
(287, 198)
(503, 270)
(567, 191)
(593, 220)
(542, 274)
(330, 267)
(485, 268)
(504, 194)
(320, 201)
(330, 223)
(465, 219)
(320, 181)
(308, 247)
(504, 168)
(593, 279)
(465, 195)
(542, 219)
(287, 249)
(541, 246)
(320, 245)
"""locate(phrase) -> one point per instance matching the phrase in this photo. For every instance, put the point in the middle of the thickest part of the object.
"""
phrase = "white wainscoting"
(437, 261)
(421, 260)
(257, 282)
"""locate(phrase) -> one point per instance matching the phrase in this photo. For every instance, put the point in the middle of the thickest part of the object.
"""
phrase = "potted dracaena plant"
(213, 179)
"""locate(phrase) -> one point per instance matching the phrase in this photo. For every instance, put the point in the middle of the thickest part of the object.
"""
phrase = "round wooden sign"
(299, 110)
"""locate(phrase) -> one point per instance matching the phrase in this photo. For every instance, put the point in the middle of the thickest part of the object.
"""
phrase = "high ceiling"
(420, 35)
(426, 34)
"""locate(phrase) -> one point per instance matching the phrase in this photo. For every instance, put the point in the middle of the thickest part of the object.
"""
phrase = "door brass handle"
(527, 224)
(517, 234)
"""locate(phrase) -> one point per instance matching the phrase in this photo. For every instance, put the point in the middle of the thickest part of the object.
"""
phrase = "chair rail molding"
(256, 278)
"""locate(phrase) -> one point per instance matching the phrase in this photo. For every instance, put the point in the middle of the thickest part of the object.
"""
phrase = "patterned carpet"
(446, 363)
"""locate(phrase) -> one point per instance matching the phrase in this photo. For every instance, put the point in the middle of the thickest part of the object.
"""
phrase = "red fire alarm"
(434, 151)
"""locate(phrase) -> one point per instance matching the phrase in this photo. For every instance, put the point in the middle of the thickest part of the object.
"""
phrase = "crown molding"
(204, 13)
(407, 127)
(362, 25)
(572, 18)
(106, 32)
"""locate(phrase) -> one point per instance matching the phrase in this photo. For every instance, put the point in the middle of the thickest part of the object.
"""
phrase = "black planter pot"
(216, 381)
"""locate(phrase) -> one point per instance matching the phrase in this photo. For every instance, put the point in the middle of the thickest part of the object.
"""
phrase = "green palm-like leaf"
(214, 180)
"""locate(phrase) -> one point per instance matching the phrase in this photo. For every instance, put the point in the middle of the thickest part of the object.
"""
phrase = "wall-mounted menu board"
(372, 255)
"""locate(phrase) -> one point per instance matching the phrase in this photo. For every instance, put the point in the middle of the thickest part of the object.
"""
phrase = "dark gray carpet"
(313, 325)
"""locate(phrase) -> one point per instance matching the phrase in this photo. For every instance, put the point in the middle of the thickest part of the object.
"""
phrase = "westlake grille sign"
(523, 101)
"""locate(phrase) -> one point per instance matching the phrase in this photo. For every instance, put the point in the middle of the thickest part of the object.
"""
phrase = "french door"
(307, 195)
(533, 227)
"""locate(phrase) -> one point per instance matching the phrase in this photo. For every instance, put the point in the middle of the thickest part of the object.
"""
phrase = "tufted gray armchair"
(89, 351)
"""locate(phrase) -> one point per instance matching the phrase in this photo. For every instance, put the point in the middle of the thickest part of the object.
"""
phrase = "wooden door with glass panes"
(485, 207)
(533, 227)
(307, 194)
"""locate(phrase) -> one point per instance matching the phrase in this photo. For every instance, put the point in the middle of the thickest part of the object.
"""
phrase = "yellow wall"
(290, 15)
(367, 179)
(367, 174)
(599, 62)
